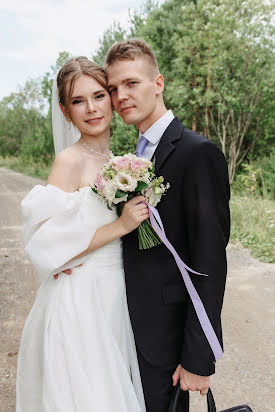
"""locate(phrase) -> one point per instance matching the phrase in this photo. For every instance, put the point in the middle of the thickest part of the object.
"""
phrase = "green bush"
(267, 166)
(253, 225)
(257, 178)
(29, 168)
(123, 138)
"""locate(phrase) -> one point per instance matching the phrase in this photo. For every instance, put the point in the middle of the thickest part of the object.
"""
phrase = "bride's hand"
(134, 212)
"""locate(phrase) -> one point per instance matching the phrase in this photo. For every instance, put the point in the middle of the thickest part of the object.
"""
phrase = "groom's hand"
(67, 271)
(191, 382)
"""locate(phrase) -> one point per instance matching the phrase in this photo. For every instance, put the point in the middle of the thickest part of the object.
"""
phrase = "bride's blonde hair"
(71, 70)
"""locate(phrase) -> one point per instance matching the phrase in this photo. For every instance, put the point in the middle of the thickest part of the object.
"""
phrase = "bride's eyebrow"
(81, 97)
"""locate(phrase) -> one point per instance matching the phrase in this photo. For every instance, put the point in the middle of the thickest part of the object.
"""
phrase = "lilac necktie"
(142, 143)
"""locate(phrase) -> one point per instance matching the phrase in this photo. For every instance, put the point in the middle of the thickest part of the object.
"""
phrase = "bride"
(77, 351)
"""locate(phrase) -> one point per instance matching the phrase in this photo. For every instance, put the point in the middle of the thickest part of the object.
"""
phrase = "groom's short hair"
(131, 49)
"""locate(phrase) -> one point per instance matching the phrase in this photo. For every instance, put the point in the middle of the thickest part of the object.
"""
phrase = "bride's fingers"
(136, 200)
(140, 206)
(144, 212)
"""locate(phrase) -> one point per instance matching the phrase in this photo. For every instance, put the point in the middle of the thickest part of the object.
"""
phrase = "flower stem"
(148, 238)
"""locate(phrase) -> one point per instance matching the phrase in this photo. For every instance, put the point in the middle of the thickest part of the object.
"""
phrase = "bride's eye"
(76, 101)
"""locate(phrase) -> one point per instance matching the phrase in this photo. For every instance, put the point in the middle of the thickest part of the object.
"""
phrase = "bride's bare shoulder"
(71, 156)
(67, 169)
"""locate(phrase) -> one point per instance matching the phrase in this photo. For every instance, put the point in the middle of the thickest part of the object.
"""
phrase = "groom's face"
(134, 90)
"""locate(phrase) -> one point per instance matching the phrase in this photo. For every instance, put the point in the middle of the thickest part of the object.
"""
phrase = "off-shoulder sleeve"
(56, 227)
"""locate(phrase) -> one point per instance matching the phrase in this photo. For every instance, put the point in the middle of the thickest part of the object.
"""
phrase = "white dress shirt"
(154, 133)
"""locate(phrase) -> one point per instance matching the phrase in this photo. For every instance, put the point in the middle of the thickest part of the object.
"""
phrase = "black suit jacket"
(195, 214)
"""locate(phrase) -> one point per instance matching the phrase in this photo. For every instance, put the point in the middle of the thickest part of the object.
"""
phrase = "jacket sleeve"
(206, 208)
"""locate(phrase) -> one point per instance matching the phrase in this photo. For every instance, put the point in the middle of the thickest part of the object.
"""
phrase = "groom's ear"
(159, 82)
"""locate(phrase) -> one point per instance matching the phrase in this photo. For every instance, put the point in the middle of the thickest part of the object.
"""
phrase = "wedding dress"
(77, 352)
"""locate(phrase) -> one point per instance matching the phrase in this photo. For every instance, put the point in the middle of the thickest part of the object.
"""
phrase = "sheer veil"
(64, 132)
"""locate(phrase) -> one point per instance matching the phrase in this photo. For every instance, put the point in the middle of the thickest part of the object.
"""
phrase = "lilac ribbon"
(197, 303)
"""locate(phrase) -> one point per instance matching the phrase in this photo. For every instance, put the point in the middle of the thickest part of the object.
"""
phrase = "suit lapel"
(166, 145)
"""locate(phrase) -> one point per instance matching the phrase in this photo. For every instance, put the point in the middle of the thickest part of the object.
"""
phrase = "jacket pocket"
(175, 293)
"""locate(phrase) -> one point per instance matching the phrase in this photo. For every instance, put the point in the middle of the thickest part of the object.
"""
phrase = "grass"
(31, 169)
(253, 225)
(253, 218)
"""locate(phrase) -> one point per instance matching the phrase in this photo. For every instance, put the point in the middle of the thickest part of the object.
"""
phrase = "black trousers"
(157, 385)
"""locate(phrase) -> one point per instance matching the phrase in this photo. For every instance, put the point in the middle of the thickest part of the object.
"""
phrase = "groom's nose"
(121, 94)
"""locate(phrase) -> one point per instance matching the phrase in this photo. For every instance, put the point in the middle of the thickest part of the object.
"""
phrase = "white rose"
(125, 182)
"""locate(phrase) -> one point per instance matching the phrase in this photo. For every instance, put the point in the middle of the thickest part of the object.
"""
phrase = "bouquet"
(125, 177)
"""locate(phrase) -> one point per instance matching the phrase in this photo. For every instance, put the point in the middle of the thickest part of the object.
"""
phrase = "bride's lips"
(94, 120)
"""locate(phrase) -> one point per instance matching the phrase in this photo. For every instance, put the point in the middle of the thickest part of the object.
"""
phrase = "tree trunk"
(208, 85)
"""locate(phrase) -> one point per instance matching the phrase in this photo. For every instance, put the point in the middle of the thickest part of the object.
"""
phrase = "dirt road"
(246, 373)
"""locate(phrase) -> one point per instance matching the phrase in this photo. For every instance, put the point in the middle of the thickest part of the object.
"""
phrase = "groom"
(171, 345)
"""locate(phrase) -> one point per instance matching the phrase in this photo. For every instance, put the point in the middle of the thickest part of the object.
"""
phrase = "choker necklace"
(88, 147)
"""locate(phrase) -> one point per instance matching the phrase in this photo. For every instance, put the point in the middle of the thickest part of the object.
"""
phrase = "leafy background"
(217, 58)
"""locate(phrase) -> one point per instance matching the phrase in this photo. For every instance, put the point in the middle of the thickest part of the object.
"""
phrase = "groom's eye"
(112, 90)
(132, 83)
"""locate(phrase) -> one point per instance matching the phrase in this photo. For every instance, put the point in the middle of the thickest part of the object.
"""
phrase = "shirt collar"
(154, 133)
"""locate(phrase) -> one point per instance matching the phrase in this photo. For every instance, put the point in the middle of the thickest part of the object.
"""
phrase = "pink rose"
(100, 182)
(137, 164)
(121, 164)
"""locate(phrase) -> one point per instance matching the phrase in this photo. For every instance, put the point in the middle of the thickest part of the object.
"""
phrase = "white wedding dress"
(77, 352)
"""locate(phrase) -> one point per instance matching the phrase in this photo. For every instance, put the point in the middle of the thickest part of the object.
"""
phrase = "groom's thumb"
(176, 376)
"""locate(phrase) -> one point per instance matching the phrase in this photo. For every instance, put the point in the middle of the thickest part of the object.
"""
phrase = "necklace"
(88, 147)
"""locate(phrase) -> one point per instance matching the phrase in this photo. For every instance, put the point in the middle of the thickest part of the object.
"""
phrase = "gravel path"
(244, 375)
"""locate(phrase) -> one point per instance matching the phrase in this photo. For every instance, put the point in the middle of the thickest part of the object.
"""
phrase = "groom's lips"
(125, 109)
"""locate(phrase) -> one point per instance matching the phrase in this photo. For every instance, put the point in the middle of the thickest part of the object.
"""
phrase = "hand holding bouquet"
(125, 177)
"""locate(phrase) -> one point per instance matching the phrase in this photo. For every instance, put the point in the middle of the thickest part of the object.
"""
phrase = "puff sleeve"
(56, 228)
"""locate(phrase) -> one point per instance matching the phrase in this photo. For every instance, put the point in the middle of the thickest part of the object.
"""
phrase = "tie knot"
(142, 143)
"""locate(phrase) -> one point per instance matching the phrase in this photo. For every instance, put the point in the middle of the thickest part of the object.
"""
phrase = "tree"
(47, 80)
(25, 118)
(217, 58)
(113, 34)
(21, 115)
